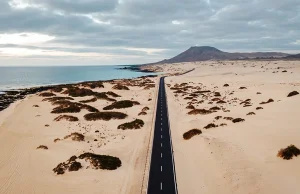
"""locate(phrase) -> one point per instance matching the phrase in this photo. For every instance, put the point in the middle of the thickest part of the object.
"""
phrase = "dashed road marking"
(161, 168)
(161, 186)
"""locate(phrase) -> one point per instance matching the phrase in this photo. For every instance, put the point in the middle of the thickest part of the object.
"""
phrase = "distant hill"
(297, 56)
(204, 53)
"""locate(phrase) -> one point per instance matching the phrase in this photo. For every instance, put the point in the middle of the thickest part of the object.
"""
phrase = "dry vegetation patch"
(102, 161)
(67, 118)
(136, 124)
(251, 113)
(142, 113)
(75, 136)
(120, 87)
(46, 94)
(269, 101)
(200, 111)
(191, 133)
(89, 100)
(190, 107)
(293, 93)
(210, 125)
(237, 120)
(66, 106)
(106, 116)
(57, 98)
(289, 152)
(121, 104)
(42, 147)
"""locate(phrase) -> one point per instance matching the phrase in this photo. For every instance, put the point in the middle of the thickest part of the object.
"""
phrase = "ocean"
(24, 77)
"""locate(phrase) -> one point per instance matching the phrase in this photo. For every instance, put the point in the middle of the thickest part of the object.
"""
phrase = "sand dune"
(30, 123)
(237, 157)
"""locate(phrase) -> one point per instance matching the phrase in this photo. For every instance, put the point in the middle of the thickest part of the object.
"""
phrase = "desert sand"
(241, 157)
(226, 157)
(29, 123)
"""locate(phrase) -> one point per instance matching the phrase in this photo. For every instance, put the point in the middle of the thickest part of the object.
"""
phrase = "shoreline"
(8, 97)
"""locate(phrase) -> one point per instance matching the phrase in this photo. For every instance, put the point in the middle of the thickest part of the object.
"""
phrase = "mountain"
(204, 53)
(296, 56)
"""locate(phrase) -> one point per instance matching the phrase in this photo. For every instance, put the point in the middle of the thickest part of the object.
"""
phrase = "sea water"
(24, 77)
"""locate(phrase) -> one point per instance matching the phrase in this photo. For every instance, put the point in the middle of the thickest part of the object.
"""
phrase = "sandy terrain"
(25, 169)
(240, 157)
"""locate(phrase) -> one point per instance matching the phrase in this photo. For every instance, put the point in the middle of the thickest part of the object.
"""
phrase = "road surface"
(162, 177)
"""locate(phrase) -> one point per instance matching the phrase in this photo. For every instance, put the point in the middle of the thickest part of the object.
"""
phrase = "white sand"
(25, 169)
(240, 157)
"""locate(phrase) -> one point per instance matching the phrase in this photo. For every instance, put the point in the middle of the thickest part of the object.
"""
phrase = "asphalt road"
(162, 177)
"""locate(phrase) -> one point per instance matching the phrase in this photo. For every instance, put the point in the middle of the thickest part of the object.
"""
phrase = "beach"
(34, 141)
(242, 131)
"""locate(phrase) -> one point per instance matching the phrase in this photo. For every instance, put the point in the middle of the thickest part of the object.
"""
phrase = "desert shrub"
(57, 89)
(221, 102)
(241, 88)
(236, 120)
(142, 113)
(112, 94)
(251, 113)
(258, 92)
(42, 147)
(106, 116)
(103, 96)
(189, 134)
(289, 152)
(223, 124)
(190, 107)
(121, 104)
(228, 118)
(46, 94)
(210, 125)
(200, 111)
(215, 99)
(136, 124)
(269, 101)
(66, 106)
(226, 85)
(75, 136)
(149, 86)
(217, 94)
(36, 106)
(145, 109)
(56, 140)
(293, 93)
(71, 165)
(215, 108)
(78, 92)
(258, 108)
(89, 100)
(102, 161)
(57, 98)
(188, 98)
(92, 84)
(120, 87)
(218, 117)
(75, 166)
(66, 109)
(67, 118)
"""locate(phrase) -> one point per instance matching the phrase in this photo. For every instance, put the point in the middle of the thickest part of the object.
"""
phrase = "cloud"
(135, 31)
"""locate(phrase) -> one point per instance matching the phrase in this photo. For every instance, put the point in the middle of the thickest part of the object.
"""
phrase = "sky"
(111, 32)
